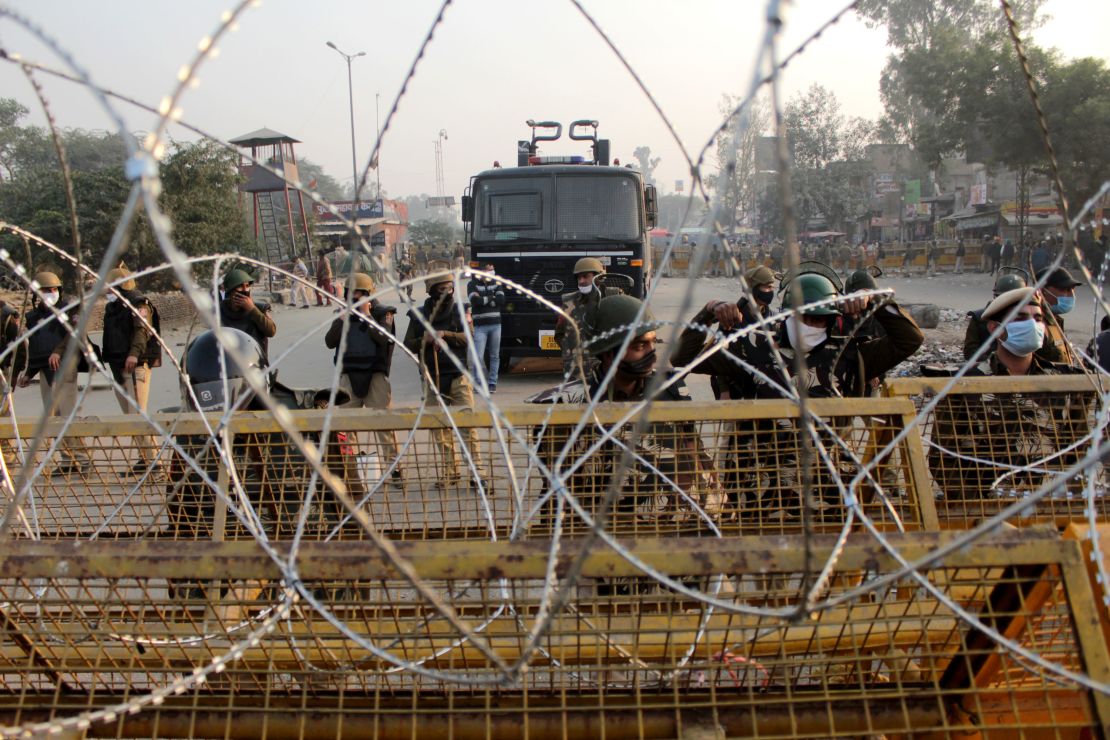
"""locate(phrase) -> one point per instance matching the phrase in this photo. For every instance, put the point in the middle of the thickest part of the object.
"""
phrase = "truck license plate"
(547, 341)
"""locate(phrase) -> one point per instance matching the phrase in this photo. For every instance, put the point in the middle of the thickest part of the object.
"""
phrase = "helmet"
(206, 366)
(118, 274)
(234, 278)
(1009, 281)
(432, 282)
(860, 280)
(589, 264)
(814, 288)
(364, 282)
(614, 313)
(759, 275)
(47, 279)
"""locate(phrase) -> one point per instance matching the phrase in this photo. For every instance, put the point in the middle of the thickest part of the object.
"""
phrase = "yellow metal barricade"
(196, 639)
(692, 469)
(991, 442)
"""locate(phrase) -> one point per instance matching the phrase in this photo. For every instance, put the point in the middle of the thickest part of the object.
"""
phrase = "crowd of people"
(834, 344)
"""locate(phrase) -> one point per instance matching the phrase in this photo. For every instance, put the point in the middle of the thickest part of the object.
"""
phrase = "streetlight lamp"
(351, 99)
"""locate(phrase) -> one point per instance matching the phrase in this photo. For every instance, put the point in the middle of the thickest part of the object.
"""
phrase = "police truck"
(532, 222)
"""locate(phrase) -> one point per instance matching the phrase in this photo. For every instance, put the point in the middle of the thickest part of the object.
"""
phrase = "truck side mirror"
(651, 206)
(467, 208)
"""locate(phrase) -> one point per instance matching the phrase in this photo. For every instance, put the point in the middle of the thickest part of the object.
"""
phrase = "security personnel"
(837, 365)
(129, 352)
(238, 310)
(9, 332)
(442, 351)
(672, 451)
(1058, 299)
(980, 439)
(747, 310)
(977, 331)
(45, 348)
(366, 360)
(580, 305)
(1016, 350)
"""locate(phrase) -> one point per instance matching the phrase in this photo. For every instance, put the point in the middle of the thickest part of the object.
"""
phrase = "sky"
(491, 65)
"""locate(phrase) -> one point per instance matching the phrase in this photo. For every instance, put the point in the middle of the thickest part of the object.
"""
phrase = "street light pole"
(351, 100)
(378, 126)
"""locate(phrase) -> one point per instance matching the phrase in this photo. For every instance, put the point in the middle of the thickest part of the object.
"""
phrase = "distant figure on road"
(366, 361)
(300, 287)
(238, 310)
(324, 276)
(487, 297)
(45, 349)
(130, 353)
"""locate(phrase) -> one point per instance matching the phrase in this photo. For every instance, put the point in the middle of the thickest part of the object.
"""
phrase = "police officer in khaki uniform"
(580, 306)
(366, 361)
(128, 353)
(1015, 353)
(443, 352)
(45, 349)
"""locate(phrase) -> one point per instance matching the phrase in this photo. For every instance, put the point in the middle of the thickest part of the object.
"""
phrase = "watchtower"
(273, 213)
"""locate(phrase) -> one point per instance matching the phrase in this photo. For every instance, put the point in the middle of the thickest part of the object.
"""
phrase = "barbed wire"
(820, 444)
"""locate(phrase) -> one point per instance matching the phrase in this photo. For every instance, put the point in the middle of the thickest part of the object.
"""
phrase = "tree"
(433, 231)
(199, 194)
(324, 185)
(1076, 99)
(934, 42)
(737, 163)
(11, 113)
(673, 208)
(200, 183)
(827, 152)
(647, 163)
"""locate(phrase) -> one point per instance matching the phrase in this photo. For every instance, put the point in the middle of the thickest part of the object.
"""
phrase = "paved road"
(308, 363)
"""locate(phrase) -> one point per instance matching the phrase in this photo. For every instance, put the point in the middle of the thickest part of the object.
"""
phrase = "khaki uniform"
(443, 378)
(1054, 350)
(979, 440)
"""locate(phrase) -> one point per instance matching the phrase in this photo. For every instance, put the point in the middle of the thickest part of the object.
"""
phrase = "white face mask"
(111, 298)
(585, 289)
(804, 337)
(51, 298)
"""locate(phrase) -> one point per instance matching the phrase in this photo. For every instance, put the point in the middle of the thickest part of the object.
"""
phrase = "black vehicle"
(535, 220)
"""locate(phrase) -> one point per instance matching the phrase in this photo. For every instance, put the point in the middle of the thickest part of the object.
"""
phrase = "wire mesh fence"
(991, 442)
(628, 570)
(707, 470)
(627, 657)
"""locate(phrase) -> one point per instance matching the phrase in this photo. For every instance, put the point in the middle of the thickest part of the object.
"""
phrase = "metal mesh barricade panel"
(692, 470)
(990, 442)
(229, 647)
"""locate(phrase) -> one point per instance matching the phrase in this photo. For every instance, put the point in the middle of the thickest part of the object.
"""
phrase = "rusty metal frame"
(905, 387)
(259, 422)
(880, 418)
(1029, 553)
(481, 559)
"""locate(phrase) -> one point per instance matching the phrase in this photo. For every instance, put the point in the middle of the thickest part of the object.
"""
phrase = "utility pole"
(351, 101)
(378, 126)
(439, 163)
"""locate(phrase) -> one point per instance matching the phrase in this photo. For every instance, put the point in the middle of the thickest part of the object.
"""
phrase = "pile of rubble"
(931, 353)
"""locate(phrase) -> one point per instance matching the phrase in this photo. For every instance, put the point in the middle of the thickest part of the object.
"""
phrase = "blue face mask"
(1064, 304)
(1023, 338)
